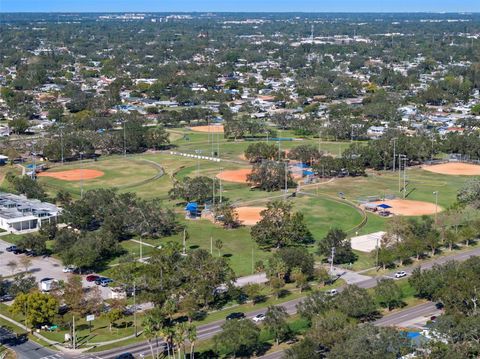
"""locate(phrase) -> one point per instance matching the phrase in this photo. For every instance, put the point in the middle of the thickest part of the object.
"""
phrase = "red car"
(92, 277)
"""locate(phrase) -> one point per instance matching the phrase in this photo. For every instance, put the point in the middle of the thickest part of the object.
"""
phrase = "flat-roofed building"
(19, 214)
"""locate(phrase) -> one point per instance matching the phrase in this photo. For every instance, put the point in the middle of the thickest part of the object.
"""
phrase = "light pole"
(405, 159)
(124, 139)
(81, 175)
(394, 149)
(436, 206)
(61, 143)
(286, 179)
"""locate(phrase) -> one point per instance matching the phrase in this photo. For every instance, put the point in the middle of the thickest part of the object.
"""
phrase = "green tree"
(388, 294)
(279, 227)
(197, 189)
(329, 328)
(38, 308)
(253, 291)
(114, 315)
(270, 176)
(238, 338)
(356, 302)
(337, 239)
(157, 138)
(258, 151)
(276, 322)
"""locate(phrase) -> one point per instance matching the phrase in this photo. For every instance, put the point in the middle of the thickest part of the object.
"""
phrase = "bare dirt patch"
(406, 207)
(249, 216)
(73, 175)
(209, 128)
(237, 176)
(454, 168)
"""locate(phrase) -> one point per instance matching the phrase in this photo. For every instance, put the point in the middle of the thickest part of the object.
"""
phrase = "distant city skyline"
(240, 6)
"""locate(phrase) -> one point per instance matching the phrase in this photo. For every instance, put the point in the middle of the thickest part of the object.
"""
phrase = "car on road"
(331, 292)
(92, 277)
(125, 356)
(400, 274)
(103, 281)
(259, 318)
(235, 315)
(11, 248)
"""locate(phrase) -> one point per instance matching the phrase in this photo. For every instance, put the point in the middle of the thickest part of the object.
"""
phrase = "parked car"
(259, 318)
(104, 282)
(125, 356)
(6, 298)
(331, 292)
(69, 269)
(92, 277)
(11, 248)
(235, 315)
(400, 274)
(18, 250)
(30, 253)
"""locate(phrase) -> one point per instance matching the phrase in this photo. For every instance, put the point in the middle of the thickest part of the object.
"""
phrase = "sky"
(240, 5)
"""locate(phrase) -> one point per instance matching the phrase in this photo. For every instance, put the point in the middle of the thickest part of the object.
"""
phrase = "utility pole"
(184, 241)
(332, 257)
(436, 207)
(81, 175)
(124, 139)
(74, 338)
(394, 150)
(61, 143)
(404, 176)
(135, 308)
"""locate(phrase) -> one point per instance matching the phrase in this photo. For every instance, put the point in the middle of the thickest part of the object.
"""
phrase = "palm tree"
(150, 332)
(167, 335)
(179, 337)
(192, 337)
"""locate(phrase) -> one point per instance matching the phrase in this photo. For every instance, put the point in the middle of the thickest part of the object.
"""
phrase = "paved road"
(209, 330)
(23, 349)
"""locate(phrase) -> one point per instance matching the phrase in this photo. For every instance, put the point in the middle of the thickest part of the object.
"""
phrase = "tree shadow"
(227, 255)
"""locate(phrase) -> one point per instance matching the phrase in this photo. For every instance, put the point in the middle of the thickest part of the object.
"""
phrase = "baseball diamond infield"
(406, 207)
(249, 216)
(73, 175)
(454, 168)
(237, 176)
(209, 128)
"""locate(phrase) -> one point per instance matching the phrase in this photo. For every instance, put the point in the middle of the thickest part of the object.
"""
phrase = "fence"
(376, 198)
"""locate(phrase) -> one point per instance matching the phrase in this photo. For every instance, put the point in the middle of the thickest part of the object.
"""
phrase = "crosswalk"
(62, 356)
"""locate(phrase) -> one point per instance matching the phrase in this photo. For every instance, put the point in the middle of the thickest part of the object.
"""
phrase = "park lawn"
(421, 186)
(100, 330)
(119, 172)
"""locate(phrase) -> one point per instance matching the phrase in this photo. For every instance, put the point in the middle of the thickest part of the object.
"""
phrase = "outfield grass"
(119, 172)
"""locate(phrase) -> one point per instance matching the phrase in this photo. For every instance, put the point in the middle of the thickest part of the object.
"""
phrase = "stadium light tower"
(436, 206)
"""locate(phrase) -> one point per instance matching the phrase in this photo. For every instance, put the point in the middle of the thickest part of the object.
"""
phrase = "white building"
(19, 214)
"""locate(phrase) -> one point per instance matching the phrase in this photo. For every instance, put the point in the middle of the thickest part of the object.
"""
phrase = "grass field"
(119, 172)
(322, 210)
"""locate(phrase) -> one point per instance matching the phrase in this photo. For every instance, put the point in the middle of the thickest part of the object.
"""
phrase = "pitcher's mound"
(249, 216)
(454, 168)
(73, 175)
(237, 176)
(210, 128)
(406, 207)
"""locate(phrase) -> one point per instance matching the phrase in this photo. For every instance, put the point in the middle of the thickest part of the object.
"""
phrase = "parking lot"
(41, 267)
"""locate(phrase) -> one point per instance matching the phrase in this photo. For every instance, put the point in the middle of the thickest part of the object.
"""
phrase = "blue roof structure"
(384, 206)
(192, 207)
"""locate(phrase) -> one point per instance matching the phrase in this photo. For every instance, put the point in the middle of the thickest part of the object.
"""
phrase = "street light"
(394, 150)
(436, 206)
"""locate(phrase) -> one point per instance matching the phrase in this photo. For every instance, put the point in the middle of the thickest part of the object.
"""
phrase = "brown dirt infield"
(406, 207)
(454, 168)
(237, 176)
(210, 128)
(73, 175)
(249, 216)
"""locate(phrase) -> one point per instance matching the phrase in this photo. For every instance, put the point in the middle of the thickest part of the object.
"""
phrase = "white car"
(69, 269)
(400, 274)
(259, 318)
(332, 292)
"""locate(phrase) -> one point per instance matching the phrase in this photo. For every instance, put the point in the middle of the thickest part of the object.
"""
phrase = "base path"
(209, 128)
(237, 176)
(249, 216)
(406, 207)
(73, 175)
(454, 168)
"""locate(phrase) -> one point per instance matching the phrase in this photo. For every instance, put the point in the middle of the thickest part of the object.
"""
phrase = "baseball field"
(333, 203)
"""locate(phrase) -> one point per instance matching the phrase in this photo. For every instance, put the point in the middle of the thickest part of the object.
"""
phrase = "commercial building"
(19, 214)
